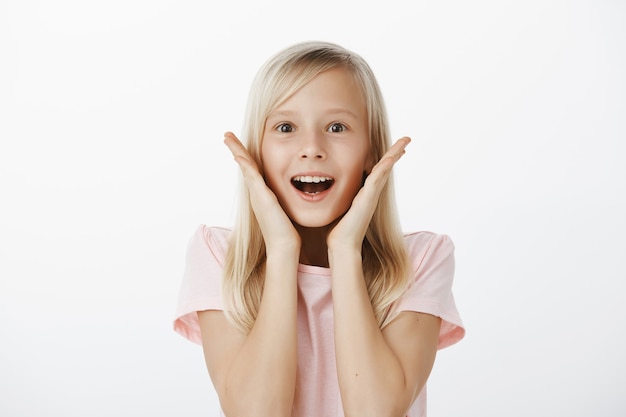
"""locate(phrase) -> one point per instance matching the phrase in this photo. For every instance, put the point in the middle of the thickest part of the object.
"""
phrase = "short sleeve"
(201, 286)
(430, 290)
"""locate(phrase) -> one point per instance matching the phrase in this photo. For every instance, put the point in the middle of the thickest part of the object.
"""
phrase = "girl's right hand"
(276, 227)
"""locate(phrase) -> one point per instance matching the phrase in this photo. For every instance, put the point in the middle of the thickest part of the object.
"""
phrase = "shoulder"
(430, 286)
(425, 238)
(201, 284)
(213, 234)
(209, 238)
(425, 246)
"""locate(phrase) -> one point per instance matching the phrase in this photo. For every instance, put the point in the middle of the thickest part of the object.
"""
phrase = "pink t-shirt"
(317, 392)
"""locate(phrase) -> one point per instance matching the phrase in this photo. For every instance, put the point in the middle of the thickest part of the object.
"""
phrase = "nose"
(312, 146)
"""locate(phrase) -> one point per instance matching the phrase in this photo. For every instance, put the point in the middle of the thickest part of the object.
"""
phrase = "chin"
(313, 221)
(312, 224)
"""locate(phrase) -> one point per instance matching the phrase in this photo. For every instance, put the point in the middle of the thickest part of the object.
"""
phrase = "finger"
(246, 163)
(393, 154)
(239, 151)
(234, 145)
(398, 148)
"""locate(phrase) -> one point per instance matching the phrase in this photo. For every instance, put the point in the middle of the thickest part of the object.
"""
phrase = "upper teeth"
(311, 178)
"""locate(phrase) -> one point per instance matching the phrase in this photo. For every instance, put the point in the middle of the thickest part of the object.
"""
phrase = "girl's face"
(315, 149)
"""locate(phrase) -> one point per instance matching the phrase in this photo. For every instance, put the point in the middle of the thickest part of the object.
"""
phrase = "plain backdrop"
(112, 116)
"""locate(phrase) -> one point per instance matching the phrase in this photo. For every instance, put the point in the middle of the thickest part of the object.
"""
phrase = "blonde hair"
(385, 261)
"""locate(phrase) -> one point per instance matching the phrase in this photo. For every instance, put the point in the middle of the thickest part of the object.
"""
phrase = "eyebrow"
(332, 111)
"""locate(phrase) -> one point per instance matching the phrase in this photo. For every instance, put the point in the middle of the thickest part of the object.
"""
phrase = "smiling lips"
(312, 184)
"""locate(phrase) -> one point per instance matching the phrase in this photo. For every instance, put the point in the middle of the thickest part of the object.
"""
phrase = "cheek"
(370, 159)
(358, 173)
(271, 153)
(267, 158)
(369, 164)
(272, 166)
(365, 156)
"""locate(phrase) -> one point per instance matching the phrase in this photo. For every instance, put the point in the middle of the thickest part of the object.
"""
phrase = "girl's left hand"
(350, 231)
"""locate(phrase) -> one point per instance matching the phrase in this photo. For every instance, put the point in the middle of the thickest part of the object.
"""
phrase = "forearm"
(261, 379)
(371, 378)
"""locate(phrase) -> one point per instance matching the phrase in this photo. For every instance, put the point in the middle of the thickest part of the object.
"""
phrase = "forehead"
(336, 90)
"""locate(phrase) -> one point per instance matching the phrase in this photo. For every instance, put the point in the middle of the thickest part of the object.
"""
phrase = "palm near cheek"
(350, 230)
(276, 227)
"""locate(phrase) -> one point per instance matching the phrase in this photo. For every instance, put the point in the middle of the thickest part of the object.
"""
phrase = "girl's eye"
(285, 128)
(337, 128)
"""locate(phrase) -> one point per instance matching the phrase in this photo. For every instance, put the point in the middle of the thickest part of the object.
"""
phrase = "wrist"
(344, 253)
(283, 253)
(284, 245)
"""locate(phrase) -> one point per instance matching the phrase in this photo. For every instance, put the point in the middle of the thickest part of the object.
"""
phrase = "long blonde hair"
(385, 261)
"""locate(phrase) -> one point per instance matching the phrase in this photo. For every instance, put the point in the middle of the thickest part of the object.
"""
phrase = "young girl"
(316, 304)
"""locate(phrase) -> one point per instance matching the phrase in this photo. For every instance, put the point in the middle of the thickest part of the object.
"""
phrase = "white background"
(111, 123)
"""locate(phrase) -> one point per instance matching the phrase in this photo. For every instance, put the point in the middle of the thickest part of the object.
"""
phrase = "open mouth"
(312, 184)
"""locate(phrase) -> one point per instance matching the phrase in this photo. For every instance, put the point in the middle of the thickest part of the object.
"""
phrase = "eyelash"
(343, 127)
(329, 129)
(280, 127)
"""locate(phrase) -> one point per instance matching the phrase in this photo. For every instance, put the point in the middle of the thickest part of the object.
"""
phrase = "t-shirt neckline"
(314, 270)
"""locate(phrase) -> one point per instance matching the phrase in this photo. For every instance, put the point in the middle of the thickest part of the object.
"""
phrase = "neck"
(314, 250)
